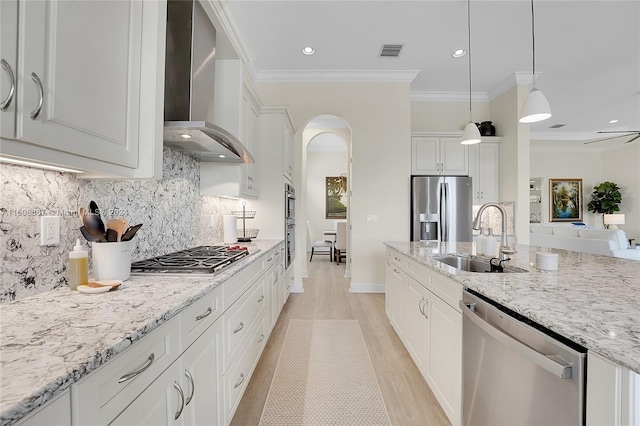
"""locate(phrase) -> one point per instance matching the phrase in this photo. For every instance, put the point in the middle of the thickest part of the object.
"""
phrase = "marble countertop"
(592, 300)
(53, 339)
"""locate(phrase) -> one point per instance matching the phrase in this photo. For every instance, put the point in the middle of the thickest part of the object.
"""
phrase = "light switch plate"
(49, 230)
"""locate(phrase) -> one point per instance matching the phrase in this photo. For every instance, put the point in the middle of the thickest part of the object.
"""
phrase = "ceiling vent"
(557, 126)
(390, 50)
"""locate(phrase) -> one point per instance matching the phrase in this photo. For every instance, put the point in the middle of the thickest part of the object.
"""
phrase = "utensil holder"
(111, 261)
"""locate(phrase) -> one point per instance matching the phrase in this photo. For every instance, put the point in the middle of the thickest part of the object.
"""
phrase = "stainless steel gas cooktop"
(198, 260)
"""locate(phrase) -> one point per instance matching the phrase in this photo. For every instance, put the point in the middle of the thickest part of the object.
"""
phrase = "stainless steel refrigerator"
(441, 208)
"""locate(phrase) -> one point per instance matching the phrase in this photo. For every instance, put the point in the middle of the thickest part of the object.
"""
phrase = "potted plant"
(605, 199)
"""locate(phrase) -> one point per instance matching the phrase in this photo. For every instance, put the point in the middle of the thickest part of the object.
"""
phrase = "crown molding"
(449, 97)
(342, 76)
(230, 28)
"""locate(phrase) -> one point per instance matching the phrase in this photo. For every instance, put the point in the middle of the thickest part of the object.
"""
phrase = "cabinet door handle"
(269, 259)
(206, 314)
(261, 298)
(278, 253)
(133, 374)
(424, 308)
(193, 386)
(420, 303)
(239, 382)
(34, 114)
(240, 327)
(7, 101)
(179, 389)
(261, 338)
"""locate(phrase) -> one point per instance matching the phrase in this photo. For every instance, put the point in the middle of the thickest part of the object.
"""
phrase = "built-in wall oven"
(290, 224)
(516, 372)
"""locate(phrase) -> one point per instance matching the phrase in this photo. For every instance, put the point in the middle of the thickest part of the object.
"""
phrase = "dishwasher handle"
(548, 362)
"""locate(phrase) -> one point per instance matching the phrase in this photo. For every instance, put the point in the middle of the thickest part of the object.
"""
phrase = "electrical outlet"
(49, 230)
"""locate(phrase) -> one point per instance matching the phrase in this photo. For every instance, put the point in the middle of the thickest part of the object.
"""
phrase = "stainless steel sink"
(471, 264)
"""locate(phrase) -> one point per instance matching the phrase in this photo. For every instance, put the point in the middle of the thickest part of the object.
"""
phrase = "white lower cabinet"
(55, 413)
(423, 310)
(194, 369)
(613, 393)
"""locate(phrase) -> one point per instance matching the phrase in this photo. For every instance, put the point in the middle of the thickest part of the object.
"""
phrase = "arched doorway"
(326, 154)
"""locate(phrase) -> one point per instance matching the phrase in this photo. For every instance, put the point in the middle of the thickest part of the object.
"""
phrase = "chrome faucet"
(505, 250)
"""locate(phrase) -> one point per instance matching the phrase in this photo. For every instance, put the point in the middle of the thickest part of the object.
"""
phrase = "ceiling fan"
(625, 133)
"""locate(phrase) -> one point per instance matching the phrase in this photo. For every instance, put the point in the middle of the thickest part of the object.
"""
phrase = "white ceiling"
(587, 52)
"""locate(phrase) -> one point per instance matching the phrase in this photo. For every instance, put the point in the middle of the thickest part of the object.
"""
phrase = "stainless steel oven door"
(290, 244)
(289, 202)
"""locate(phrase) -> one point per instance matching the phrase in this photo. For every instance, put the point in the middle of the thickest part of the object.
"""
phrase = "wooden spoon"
(118, 226)
(114, 284)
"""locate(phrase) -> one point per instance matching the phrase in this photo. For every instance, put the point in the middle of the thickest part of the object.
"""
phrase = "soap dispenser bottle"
(480, 242)
(491, 245)
(78, 266)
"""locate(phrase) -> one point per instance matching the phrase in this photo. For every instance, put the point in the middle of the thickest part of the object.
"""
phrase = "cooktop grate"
(198, 260)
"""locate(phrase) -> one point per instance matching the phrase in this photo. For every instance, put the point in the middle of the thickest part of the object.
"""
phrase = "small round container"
(546, 261)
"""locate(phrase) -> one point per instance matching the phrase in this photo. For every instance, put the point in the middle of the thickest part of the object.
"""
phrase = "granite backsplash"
(173, 214)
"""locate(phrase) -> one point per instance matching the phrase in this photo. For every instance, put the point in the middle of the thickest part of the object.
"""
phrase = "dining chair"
(340, 247)
(322, 247)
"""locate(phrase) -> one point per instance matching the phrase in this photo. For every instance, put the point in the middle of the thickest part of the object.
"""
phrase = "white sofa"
(606, 242)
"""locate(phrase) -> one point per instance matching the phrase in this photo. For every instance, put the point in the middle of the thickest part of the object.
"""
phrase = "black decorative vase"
(487, 129)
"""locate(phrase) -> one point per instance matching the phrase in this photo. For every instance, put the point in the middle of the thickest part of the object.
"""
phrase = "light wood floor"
(326, 296)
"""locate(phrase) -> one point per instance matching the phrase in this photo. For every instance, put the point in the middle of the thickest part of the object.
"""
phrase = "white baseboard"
(366, 288)
(305, 273)
(297, 287)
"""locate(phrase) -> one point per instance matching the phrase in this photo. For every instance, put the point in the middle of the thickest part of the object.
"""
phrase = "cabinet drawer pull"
(239, 382)
(261, 338)
(179, 389)
(206, 314)
(278, 253)
(34, 114)
(133, 374)
(7, 101)
(261, 299)
(269, 259)
(240, 327)
(193, 386)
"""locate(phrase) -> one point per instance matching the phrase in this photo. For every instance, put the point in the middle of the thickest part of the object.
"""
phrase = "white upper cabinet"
(438, 155)
(288, 151)
(89, 84)
(237, 110)
(484, 169)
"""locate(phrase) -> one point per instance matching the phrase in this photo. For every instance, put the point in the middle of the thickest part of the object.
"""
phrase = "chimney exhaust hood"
(189, 88)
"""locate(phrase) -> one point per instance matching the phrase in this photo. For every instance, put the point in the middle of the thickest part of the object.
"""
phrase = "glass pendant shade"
(536, 108)
(471, 134)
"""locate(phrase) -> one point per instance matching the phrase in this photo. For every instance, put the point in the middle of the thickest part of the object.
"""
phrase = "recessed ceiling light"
(308, 50)
(459, 53)
(222, 156)
(186, 135)
(613, 121)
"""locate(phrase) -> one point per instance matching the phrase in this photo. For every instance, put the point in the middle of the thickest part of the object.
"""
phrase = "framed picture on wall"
(336, 197)
(565, 200)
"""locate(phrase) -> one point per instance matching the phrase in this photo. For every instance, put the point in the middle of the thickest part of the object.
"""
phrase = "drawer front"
(396, 258)
(199, 316)
(235, 380)
(446, 289)
(101, 396)
(236, 285)
(239, 319)
(418, 271)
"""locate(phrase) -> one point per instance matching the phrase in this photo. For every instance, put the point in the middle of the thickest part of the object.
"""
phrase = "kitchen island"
(592, 300)
(54, 339)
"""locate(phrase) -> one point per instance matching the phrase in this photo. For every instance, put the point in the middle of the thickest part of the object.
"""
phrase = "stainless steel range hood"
(189, 88)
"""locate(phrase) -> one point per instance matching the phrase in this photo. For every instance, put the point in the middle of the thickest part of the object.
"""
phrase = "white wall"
(622, 166)
(439, 116)
(379, 117)
(565, 159)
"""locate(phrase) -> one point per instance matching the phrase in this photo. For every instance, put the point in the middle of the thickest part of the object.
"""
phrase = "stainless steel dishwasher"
(516, 372)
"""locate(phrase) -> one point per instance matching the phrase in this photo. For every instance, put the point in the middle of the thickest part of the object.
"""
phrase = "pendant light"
(471, 134)
(536, 107)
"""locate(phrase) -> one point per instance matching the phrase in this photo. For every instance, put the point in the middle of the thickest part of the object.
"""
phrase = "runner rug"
(324, 376)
